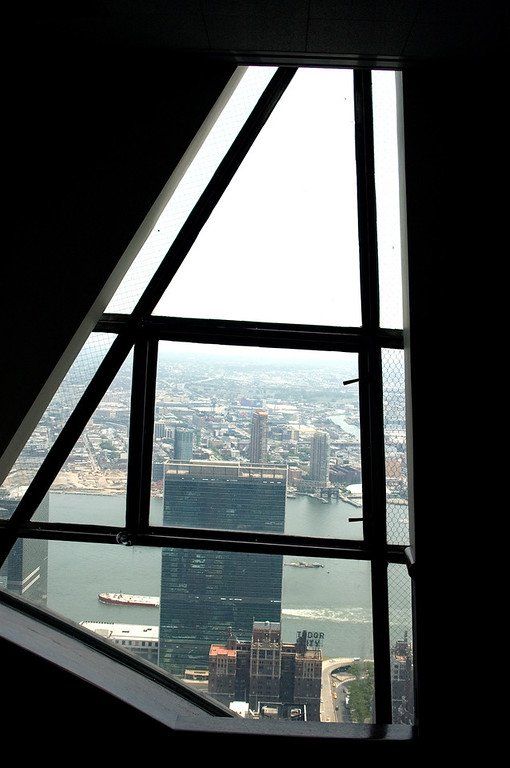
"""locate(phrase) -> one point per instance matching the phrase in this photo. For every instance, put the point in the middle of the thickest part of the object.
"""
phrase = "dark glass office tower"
(205, 594)
(25, 571)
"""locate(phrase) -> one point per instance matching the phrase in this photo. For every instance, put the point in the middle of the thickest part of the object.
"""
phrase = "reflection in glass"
(257, 439)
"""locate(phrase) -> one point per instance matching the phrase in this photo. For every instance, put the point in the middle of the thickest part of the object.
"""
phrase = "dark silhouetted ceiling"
(373, 28)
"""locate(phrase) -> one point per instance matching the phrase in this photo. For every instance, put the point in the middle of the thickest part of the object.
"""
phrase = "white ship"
(301, 564)
(118, 598)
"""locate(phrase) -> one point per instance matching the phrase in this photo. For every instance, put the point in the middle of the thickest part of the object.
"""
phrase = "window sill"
(150, 691)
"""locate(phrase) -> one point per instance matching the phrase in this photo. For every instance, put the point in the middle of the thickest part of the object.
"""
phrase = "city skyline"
(217, 403)
(229, 420)
(211, 402)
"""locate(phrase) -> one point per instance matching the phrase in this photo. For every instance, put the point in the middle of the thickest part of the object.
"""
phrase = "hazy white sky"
(282, 243)
(346, 362)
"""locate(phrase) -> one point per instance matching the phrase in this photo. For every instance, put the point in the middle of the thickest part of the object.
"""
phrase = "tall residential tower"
(183, 444)
(258, 437)
(319, 458)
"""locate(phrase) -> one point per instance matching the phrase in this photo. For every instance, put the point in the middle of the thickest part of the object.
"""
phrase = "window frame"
(142, 331)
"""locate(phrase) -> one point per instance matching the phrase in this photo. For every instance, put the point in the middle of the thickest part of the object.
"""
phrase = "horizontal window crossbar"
(251, 333)
(316, 59)
(203, 538)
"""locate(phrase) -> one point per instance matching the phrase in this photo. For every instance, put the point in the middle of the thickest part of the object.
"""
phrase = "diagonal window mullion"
(171, 262)
(212, 193)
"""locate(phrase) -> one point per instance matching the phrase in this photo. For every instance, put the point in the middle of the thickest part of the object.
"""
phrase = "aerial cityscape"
(245, 439)
(241, 442)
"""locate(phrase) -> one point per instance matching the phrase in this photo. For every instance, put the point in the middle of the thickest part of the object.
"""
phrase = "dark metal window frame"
(142, 331)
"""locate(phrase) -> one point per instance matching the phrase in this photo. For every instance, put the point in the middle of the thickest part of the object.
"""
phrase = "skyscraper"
(203, 592)
(267, 671)
(25, 572)
(258, 438)
(319, 458)
(159, 430)
(183, 444)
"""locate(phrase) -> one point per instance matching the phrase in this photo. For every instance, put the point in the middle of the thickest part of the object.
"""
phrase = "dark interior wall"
(54, 708)
(455, 144)
(94, 135)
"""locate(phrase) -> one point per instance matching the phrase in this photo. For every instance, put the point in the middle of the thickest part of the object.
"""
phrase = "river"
(334, 599)
(351, 429)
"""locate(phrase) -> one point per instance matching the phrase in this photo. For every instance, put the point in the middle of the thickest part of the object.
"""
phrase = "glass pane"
(265, 639)
(387, 187)
(54, 418)
(91, 486)
(282, 243)
(195, 179)
(257, 439)
(394, 406)
(402, 686)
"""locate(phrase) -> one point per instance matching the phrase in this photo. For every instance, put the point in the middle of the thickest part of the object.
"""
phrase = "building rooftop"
(114, 631)
(204, 673)
(274, 626)
(220, 650)
(226, 470)
(240, 707)
(312, 654)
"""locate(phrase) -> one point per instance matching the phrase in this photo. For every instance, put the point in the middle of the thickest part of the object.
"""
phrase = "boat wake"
(344, 616)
